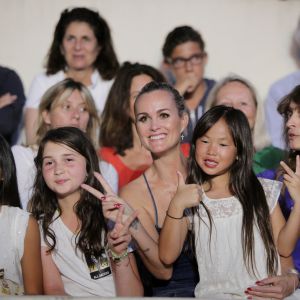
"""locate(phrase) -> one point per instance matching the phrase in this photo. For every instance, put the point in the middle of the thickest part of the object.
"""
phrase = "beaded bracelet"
(175, 218)
(118, 257)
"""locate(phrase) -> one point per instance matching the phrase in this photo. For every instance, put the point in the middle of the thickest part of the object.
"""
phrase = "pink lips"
(60, 181)
(209, 163)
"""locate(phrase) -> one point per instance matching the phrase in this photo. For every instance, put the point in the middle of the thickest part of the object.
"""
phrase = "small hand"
(187, 195)
(292, 180)
(7, 99)
(110, 201)
(277, 287)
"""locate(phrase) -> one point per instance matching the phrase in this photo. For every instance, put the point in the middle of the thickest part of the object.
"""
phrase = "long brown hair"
(116, 123)
(243, 183)
(43, 205)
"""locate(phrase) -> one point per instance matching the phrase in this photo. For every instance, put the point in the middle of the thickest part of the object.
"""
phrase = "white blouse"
(220, 256)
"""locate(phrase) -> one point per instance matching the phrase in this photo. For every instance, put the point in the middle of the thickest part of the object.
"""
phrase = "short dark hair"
(163, 86)
(106, 63)
(181, 35)
(115, 130)
(284, 107)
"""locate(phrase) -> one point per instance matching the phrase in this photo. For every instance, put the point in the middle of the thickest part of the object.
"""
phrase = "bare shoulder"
(133, 192)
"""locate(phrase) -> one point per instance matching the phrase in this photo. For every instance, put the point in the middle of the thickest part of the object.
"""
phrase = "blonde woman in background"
(67, 103)
(239, 93)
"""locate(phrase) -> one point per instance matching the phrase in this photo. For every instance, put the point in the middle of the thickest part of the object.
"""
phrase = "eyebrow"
(64, 155)
(159, 111)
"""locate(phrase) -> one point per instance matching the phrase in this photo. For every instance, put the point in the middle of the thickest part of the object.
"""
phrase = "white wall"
(248, 37)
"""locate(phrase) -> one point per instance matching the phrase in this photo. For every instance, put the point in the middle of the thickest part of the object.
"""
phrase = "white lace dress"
(223, 273)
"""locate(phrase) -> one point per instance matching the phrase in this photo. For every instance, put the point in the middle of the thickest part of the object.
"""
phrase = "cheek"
(84, 121)
(46, 174)
(65, 48)
(61, 119)
(80, 173)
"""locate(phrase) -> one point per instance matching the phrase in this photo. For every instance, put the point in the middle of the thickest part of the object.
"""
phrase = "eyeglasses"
(180, 62)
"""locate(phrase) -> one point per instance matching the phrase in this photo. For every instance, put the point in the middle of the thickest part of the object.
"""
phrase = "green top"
(267, 158)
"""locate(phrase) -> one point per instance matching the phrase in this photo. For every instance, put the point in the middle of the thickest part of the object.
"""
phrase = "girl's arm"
(31, 261)
(175, 226)
(142, 229)
(53, 284)
(290, 233)
(126, 275)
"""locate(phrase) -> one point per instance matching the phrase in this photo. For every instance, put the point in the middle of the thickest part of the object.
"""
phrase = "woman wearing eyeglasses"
(184, 53)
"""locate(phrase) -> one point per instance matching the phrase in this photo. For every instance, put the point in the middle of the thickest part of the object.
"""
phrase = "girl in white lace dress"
(234, 216)
(20, 260)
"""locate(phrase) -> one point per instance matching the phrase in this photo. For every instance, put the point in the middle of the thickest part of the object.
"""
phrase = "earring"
(182, 136)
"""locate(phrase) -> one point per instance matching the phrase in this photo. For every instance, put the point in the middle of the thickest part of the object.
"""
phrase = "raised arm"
(126, 276)
(146, 239)
(176, 225)
(290, 233)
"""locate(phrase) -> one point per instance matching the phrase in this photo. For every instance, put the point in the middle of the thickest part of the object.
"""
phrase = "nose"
(188, 65)
(212, 149)
(58, 169)
(75, 114)
(154, 124)
(291, 122)
(77, 44)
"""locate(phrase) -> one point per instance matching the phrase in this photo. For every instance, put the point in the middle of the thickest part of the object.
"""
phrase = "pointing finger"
(104, 183)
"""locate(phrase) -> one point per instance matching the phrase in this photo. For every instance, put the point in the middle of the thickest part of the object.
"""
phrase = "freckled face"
(158, 122)
(215, 151)
(64, 170)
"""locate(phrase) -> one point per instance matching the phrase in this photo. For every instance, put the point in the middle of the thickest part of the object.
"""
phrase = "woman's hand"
(110, 201)
(292, 180)
(277, 287)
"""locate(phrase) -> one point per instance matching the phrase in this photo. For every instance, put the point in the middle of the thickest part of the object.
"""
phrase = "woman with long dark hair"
(80, 257)
(119, 141)
(81, 49)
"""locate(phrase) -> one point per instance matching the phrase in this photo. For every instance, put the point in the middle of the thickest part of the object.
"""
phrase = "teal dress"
(267, 158)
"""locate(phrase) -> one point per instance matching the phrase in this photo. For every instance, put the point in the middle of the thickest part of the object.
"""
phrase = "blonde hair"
(260, 136)
(56, 95)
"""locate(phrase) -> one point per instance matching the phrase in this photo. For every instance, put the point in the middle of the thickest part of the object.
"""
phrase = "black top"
(10, 115)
